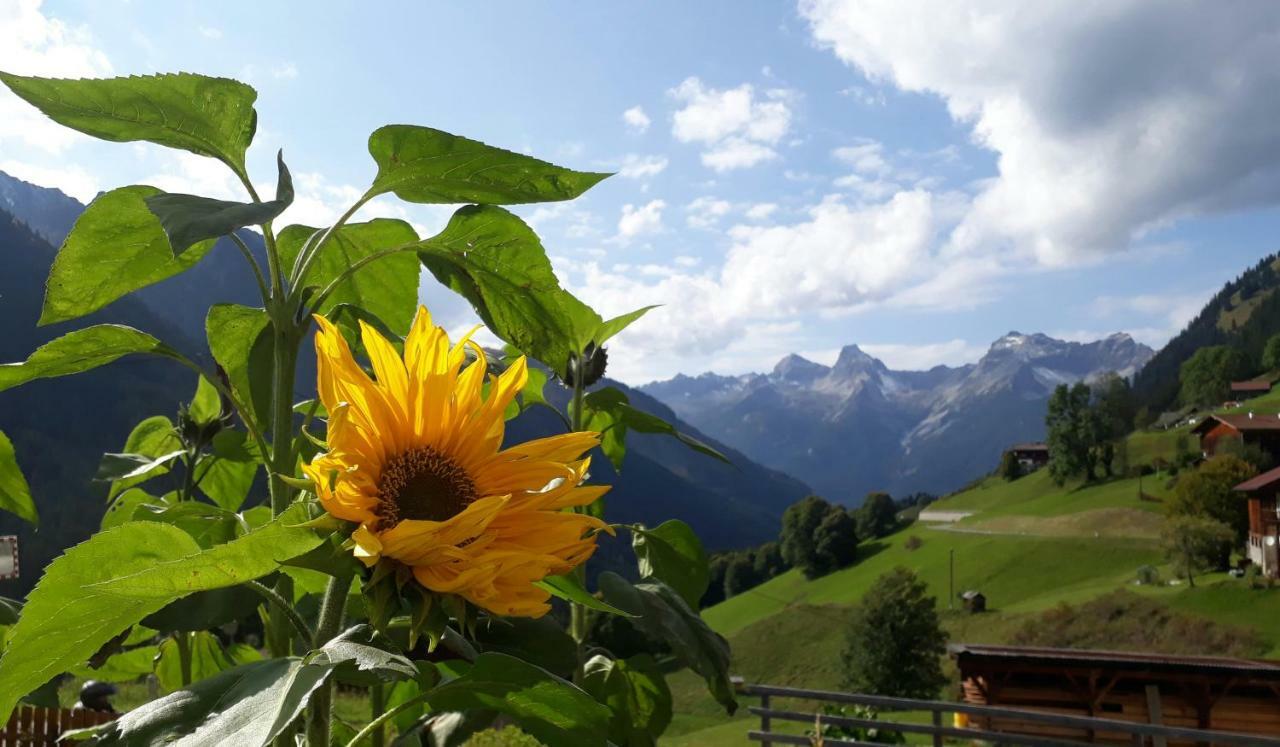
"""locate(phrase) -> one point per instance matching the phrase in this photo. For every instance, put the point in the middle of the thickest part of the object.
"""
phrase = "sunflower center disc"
(422, 484)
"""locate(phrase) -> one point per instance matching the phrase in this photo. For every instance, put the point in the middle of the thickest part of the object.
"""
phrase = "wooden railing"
(1138, 734)
(32, 726)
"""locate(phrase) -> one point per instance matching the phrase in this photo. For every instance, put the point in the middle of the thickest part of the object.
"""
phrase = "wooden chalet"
(1195, 692)
(1243, 390)
(1030, 456)
(1264, 523)
(1249, 428)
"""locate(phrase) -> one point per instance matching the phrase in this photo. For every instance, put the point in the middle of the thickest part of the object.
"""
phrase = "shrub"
(1253, 577)
(894, 644)
(1149, 575)
(913, 543)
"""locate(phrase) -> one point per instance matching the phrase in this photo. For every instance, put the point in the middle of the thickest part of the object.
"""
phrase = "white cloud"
(637, 221)
(641, 167)
(34, 44)
(866, 157)
(736, 128)
(921, 357)
(1108, 120)
(736, 153)
(211, 32)
(761, 210)
(636, 119)
(706, 212)
(1167, 313)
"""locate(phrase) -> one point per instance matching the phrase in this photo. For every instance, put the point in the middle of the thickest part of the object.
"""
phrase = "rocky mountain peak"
(798, 370)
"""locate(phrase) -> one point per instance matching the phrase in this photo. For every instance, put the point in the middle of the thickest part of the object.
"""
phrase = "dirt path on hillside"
(1102, 522)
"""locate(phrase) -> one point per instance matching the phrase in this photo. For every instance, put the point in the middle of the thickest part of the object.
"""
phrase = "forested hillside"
(1244, 314)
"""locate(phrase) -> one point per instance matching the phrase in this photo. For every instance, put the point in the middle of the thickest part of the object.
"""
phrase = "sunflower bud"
(593, 361)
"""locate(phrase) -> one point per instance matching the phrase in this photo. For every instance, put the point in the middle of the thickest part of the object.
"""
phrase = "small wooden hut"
(1195, 692)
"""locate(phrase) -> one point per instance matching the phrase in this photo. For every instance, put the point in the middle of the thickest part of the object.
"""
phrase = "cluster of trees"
(817, 537)
(1087, 426)
(736, 571)
(1206, 516)
(1157, 385)
(1205, 378)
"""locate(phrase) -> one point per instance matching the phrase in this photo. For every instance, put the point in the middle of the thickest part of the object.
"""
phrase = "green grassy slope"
(790, 630)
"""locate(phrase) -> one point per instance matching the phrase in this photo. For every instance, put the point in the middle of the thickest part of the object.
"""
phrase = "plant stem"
(280, 603)
(377, 704)
(184, 655)
(253, 263)
(384, 718)
(578, 612)
(330, 620)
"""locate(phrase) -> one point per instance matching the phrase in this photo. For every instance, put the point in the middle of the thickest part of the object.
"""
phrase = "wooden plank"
(1155, 714)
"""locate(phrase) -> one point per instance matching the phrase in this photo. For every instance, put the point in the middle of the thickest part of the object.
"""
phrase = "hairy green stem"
(184, 655)
(327, 626)
(280, 603)
(578, 612)
(320, 297)
(253, 263)
(385, 717)
(377, 704)
(304, 264)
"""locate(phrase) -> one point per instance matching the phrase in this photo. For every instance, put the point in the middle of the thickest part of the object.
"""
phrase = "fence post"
(765, 724)
(937, 723)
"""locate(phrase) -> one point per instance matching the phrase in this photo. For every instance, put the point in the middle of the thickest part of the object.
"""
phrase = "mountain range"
(61, 427)
(858, 426)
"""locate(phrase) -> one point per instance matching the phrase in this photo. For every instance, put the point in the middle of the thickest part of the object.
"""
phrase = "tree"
(1205, 378)
(836, 540)
(1196, 543)
(1075, 432)
(799, 525)
(818, 537)
(739, 574)
(1208, 493)
(716, 566)
(894, 644)
(1010, 469)
(1271, 353)
(877, 516)
(768, 561)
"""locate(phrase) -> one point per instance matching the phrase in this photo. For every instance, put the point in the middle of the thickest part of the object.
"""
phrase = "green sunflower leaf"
(548, 708)
(246, 705)
(386, 288)
(495, 261)
(615, 325)
(636, 691)
(152, 438)
(208, 658)
(116, 246)
(663, 614)
(81, 350)
(570, 589)
(208, 116)
(672, 553)
(66, 619)
(226, 475)
(609, 412)
(15, 494)
(241, 342)
(206, 405)
(420, 164)
(189, 219)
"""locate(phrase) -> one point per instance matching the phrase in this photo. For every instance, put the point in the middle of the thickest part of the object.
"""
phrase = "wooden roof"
(1033, 446)
(1240, 422)
(1252, 385)
(1265, 480)
(1254, 669)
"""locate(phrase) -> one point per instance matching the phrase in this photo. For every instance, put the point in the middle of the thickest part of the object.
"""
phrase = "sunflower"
(414, 457)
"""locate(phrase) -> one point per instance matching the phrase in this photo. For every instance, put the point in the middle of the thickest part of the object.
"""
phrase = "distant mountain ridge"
(858, 426)
(60, 428)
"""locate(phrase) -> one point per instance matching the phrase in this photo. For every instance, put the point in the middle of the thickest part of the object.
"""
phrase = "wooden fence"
(1138, 735)
(32, 726)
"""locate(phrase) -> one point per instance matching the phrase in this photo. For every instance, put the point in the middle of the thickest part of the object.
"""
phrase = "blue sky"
(917, 178)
